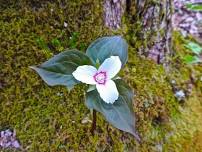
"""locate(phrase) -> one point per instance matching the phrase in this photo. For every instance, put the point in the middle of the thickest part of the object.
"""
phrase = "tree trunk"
(151, 24)
(113, 12)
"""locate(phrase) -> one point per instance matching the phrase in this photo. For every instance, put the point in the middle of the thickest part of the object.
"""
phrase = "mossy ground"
(49, 118)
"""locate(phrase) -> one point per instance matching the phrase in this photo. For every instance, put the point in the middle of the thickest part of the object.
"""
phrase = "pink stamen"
(100, 77)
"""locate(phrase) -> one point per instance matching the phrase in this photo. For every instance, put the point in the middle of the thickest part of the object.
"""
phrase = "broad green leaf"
(194, 7)
(105, 47)
(194, 47)
(58, 70)
(120, 114)
(192, 59)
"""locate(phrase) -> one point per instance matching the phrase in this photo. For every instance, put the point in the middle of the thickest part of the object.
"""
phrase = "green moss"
(154, 101)
(186, 126)
(49, 118)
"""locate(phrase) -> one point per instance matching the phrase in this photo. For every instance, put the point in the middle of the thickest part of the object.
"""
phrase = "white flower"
(101, 77)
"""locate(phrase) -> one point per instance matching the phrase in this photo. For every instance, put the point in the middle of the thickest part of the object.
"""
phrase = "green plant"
(57, 44)
(194, 7)
(73, 40)
(98, 68)
(42, 44)
(195, 49)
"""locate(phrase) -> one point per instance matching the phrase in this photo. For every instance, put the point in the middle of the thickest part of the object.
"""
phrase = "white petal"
(85, 74)
(108, 92)
(111, 65)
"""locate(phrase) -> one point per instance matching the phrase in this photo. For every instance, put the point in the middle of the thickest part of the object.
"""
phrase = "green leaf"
(194, 7)
(189, 59)
(91, 88)
(105, 47)
(120, 114)
(194, 47)
(58, 70)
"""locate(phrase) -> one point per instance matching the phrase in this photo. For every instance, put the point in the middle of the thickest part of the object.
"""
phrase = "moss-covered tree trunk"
(149, 24)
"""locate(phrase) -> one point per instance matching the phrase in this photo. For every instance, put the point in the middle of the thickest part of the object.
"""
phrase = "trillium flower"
(71, 65)
(101, 77)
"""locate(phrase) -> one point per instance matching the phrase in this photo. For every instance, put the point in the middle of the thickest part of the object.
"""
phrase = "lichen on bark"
(154, 18)
(113, 12)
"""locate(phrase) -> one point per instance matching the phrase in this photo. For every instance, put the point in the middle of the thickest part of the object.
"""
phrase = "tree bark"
(154, 19)
(113, 12)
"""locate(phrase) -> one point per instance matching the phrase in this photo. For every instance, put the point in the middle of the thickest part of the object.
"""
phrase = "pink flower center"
(100, 77)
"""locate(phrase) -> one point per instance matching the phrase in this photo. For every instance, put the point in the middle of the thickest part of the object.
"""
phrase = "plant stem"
(94, 122)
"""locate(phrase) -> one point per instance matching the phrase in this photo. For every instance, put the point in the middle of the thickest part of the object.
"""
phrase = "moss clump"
(48, 119)
(186, 127)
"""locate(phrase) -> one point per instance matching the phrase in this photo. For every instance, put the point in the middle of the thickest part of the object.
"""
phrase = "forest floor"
(35, 117)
